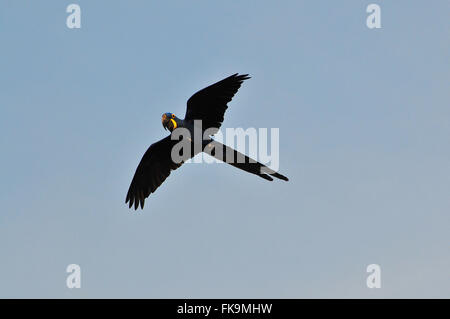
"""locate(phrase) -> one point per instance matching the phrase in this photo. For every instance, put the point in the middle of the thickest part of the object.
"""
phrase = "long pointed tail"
(241, 161)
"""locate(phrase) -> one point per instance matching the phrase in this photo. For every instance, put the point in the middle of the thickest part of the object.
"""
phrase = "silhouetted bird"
(209, 106)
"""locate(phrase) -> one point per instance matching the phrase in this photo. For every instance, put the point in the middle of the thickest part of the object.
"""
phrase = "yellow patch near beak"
(174, 123)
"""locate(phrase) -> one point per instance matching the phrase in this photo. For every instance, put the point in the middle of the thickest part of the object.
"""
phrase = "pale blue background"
(364, 122)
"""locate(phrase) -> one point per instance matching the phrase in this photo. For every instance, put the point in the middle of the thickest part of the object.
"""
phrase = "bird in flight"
(207, 105)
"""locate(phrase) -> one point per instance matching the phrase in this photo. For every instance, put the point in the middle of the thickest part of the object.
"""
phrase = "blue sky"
(364, 124)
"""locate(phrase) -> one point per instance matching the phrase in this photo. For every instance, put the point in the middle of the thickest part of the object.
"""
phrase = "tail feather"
(230, 156)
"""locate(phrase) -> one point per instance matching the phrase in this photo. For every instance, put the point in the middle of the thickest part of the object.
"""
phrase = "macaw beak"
(164, 121)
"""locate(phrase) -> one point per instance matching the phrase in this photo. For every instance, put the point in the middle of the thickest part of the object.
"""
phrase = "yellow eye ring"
(173, 116)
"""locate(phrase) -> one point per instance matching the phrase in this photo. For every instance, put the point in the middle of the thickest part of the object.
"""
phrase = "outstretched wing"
(151, 172)
(210, 104)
